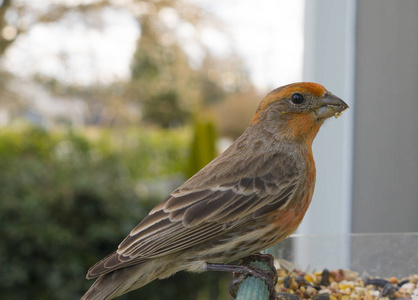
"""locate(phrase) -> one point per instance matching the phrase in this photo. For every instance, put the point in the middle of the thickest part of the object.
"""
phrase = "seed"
(325, 277)
(301, 281)
(293, 285)
(323, 296)
(309, 278)
(360, 290)
(376, 281)
(393, 280)
(310, 291)
(346, 284)
(287, 296)
(287, 281)
(388, 289)
(408, 286)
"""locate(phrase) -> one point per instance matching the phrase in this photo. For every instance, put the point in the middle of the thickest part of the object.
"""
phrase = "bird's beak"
(330, 105)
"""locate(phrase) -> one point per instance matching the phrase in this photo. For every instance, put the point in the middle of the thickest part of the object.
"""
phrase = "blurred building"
(45, 109)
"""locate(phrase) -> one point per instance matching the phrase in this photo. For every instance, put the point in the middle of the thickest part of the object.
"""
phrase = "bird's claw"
(268, 276)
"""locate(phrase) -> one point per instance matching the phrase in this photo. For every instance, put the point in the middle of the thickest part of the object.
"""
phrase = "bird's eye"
(297, 98)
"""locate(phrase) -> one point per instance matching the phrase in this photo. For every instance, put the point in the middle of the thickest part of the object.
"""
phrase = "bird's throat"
(302, 128)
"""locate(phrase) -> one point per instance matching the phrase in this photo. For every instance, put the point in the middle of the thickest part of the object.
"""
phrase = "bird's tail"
(121, 281)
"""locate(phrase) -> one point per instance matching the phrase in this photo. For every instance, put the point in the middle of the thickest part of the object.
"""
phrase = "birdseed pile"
(294, 284)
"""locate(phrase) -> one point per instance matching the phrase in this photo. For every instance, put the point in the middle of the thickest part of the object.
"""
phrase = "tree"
(163, 82)
(18, 17)
(165, 86)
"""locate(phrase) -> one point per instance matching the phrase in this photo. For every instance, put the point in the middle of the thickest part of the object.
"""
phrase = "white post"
(329, 60)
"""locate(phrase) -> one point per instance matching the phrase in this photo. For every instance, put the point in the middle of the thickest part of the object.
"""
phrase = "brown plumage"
(247, 199)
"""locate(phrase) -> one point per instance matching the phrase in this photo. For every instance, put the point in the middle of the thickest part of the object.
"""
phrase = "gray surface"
(385, 177)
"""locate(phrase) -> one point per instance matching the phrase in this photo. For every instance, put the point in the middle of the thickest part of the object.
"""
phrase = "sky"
(267, 34)
(81, 55)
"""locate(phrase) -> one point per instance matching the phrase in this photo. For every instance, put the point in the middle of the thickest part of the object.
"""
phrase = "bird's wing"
(192, 216)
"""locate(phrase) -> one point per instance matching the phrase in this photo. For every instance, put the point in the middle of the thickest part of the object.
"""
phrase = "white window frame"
(329, 59)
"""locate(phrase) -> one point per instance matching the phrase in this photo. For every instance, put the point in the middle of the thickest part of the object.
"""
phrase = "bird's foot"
(267, 258)
(243, 270)
(268, 276)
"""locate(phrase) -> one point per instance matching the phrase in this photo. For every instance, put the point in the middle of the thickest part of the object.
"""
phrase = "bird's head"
(297, 111)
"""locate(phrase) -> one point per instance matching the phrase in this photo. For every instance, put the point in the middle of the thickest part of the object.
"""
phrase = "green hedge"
(67, 200)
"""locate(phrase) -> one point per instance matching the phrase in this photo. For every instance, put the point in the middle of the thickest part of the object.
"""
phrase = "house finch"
(247, 199)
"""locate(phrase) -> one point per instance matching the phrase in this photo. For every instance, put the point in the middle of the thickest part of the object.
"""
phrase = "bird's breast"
(288, 218)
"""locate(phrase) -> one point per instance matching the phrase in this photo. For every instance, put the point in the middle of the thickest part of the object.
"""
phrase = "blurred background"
(106, 106)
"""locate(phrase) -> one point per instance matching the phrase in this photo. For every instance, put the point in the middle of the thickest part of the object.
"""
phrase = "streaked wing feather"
(226, 205)
(208, 210)
(276, 204)
(187, 239)
(191, 216)
(186, 200)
